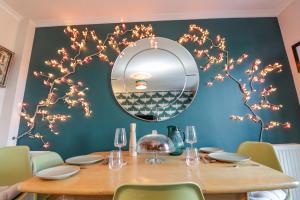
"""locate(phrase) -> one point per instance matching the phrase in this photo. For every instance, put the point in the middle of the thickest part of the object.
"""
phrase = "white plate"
(228, 157)
(211, 149)
(59, 172)
(84, 160)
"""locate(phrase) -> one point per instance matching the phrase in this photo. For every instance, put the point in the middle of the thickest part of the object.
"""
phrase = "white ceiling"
(63, 12)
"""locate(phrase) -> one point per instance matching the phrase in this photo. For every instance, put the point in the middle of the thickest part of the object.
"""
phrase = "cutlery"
(245, 165)
(105, 161)
(204, 159)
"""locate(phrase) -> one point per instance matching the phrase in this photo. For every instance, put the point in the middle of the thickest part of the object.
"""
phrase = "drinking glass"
(120, 138)
(190, 135)
(115, 160)
(192, 156)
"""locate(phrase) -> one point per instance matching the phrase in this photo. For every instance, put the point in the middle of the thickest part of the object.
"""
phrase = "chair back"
(44, 160)
(262, 153)
(15, 165)
(180, 191)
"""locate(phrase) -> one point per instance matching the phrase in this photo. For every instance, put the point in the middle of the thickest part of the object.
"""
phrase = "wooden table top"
(213, 178)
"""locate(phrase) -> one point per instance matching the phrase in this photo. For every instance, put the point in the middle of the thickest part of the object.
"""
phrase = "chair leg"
(26, 196)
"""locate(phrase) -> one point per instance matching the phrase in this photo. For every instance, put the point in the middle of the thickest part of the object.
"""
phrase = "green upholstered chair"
(18, 164)
(179, 191)
(41, 160)
(262, 153)
(15, 167)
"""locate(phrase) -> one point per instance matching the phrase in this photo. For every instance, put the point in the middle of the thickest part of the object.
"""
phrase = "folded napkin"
(9, 192)
(267, 195)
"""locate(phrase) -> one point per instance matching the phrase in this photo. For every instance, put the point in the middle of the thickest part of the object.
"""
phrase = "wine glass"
(120, 138)
(190, 135)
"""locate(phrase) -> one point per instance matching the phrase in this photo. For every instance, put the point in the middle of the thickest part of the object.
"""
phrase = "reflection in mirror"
(155, 80)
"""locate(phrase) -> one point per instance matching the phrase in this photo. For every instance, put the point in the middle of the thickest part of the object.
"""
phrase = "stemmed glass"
(190, 135)
(120, 138)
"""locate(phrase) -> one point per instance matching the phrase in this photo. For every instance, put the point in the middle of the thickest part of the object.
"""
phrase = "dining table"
(218, 180)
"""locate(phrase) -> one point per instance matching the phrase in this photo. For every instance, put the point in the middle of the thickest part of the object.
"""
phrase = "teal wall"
(259, 37)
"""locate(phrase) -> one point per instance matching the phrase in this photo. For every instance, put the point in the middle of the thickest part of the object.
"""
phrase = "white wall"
(289, 21)
(9, 22)
(16, 35)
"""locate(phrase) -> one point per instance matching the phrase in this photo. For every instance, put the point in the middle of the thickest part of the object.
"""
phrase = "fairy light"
(219, 77)
(66, 66)
(214, 51)
(209, 83)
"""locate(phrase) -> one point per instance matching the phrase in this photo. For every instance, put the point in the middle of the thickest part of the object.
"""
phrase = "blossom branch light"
(205, 45)
(212, 50)
(66, 66)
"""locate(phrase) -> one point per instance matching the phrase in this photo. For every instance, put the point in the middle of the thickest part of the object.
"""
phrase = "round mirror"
(155, 80)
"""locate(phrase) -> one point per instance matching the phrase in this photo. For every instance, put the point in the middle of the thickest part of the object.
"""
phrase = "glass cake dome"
(155, 144)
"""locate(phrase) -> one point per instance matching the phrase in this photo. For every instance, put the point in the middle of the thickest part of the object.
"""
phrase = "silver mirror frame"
(180, 52)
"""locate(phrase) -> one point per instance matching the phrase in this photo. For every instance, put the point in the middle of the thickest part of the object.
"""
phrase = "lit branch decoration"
(64, 68)
(256, 74)
(119, 39)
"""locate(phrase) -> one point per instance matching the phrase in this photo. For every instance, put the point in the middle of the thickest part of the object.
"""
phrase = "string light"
(206, 46)
(212, 50)
(66, 66)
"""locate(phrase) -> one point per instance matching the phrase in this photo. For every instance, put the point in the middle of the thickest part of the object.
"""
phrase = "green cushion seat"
(180, 191)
